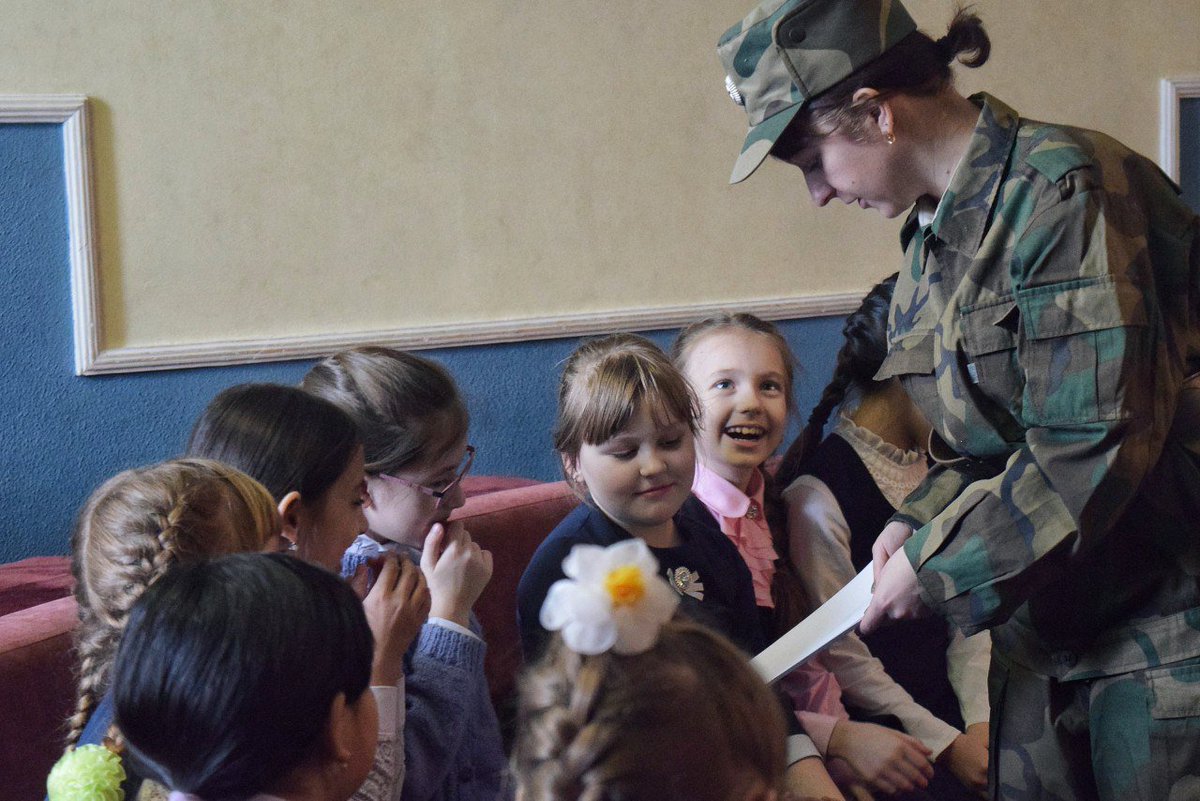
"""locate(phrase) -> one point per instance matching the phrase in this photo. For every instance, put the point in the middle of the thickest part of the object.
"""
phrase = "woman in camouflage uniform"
(1046, 323)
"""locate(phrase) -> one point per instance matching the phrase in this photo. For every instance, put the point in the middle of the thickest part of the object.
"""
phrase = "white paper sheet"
(834, 618)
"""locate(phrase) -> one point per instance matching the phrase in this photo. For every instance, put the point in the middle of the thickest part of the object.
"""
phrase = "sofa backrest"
(37, 689)
(511, 524)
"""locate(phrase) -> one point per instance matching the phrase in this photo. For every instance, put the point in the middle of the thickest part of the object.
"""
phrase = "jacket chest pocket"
(1081, 339)
(989, 338)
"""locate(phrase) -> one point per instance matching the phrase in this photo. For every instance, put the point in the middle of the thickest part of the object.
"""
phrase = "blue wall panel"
(1189, 150)
(61, 435)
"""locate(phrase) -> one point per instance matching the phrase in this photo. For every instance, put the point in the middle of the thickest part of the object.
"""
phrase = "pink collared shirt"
(742, 517)
(815, 693)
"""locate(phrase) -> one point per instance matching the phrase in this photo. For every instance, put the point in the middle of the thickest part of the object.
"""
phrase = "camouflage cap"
(787, 52)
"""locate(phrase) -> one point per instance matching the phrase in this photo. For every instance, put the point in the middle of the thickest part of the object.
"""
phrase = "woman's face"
(868, 172)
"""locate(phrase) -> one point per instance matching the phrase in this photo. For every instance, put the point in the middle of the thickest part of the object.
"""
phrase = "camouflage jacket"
(1045, 320)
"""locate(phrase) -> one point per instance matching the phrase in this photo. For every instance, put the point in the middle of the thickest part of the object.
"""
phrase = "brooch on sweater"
(686, 582)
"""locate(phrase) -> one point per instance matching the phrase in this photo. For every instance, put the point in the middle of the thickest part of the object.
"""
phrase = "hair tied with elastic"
(611, 599)
(945, 49)
(87, 773)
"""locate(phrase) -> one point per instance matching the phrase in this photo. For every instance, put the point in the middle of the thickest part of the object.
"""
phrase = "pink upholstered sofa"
(508, 516)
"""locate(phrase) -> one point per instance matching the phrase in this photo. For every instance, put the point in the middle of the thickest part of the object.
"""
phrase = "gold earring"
(890, 137)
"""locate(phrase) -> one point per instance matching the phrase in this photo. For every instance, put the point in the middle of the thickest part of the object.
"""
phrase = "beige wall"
(288, 168)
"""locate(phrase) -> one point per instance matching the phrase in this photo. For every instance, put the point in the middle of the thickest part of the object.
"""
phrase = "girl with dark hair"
(413, 424)
(840, 492)
(741, 369)
(308, 454)
(305, 451)
(1046, 322)
(245, 677)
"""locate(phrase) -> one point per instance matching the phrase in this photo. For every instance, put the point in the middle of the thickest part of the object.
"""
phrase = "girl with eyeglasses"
(413, 426)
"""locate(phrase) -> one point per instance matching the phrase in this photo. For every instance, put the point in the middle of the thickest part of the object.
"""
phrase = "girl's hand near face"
(396, 608)
(457, 570)
(887, 761)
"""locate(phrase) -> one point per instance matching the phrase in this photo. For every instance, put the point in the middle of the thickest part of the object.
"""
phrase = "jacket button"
(1066, 659)
(791, 36)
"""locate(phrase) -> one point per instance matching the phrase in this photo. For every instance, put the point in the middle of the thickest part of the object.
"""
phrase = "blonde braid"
(131, 531)
(94, 645)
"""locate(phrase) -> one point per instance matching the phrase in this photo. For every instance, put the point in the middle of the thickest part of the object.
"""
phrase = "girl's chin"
(740, 452)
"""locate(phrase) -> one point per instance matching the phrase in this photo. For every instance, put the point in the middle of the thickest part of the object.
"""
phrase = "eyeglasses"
(440, 494)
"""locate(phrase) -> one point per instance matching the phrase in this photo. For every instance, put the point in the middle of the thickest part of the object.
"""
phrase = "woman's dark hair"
(406, 408)
(285, 437)
(916, 65)
(859, 359)
(228, 669)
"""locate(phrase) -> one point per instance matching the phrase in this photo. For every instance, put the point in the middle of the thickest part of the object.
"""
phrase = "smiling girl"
(625, 433)
(625, 426)
(742, 370)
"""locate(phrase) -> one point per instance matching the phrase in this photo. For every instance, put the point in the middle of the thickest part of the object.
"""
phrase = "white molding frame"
(276, 349)
(1172, 91)
(71, 111)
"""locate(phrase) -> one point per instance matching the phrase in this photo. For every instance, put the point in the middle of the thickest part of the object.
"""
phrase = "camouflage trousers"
(1129, 737)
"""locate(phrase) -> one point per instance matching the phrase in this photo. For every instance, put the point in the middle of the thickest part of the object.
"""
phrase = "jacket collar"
(965, 210)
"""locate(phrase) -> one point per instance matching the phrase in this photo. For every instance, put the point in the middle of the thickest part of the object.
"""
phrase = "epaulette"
(1058, 153)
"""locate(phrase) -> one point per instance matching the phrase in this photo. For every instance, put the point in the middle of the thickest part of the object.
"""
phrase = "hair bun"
(945, 49)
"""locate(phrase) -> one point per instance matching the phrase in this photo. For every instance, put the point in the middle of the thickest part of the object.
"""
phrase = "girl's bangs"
(616, 393)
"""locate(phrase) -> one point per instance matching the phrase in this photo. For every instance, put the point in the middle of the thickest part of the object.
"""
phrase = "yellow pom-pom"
(87, 773)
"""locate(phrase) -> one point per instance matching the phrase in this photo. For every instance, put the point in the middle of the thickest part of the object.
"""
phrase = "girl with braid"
(839, 492)
(628, 704)
(132, 530)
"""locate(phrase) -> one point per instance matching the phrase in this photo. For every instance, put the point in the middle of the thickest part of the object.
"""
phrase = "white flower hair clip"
(612, 598)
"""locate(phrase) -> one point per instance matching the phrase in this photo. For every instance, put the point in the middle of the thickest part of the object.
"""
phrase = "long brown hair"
(406, 408)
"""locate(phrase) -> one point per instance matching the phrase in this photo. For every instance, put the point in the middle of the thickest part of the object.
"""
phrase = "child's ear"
(340, 732)
(290, 511)
(571, 468)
